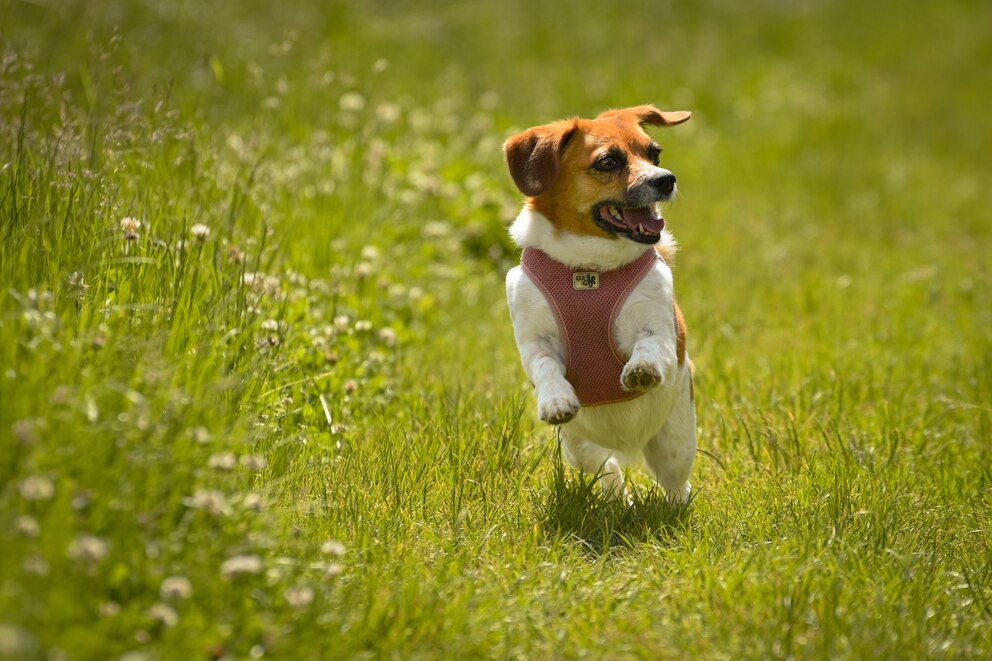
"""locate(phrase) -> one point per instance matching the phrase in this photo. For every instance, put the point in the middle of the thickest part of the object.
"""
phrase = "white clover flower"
(130, 227)
(164, 614)
(387, 113)
(387, 336)
(36, 565)
(333, 570)
(222, 461)
(254, 462)
(363, 325)
(270, 325)
(176, 587)
(333, 547)
(199, 434)
(299, 597)
(109, 609)
(240, 565)
(436, 230)
(254, 502)
(364, 270)
(200, 231)
(341, 323)
(351, 102)
(27, 526)
(210, 501)
(36, 487)
(88, 549)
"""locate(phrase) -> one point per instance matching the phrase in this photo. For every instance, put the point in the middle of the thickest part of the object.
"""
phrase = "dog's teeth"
(641, 230)
(615, 213)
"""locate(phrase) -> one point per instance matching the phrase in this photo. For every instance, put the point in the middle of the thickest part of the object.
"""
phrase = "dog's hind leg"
(591, 458)
(670, 453)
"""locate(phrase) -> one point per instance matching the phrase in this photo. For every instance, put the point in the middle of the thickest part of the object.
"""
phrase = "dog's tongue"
(644, 216)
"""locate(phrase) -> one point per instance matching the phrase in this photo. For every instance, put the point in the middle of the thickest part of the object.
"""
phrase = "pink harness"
(586, 305)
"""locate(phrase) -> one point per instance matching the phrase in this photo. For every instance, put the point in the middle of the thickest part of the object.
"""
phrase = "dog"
(592, 305)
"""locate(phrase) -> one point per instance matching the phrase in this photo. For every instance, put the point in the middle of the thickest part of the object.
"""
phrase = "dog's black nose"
(664, 183)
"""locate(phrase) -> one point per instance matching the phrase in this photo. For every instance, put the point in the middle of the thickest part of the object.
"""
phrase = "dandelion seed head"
(76, 285)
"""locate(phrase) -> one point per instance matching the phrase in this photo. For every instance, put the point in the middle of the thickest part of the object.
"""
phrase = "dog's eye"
(608, 163)
(654, 154)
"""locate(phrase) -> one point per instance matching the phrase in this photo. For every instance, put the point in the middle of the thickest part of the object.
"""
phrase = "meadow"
(259, 396)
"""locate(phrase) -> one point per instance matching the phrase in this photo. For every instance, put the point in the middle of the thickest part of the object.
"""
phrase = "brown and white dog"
(590, 227)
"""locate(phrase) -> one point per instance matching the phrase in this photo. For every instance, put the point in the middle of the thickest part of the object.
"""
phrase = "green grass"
(333, 361)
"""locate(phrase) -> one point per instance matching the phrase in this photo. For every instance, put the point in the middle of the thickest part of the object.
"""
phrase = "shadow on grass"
(574, 507)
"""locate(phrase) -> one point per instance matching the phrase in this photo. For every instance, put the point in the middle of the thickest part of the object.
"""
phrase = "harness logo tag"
(585, 280)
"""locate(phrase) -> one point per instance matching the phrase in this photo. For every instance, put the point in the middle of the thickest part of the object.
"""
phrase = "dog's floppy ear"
(534, 156)
(650, 115)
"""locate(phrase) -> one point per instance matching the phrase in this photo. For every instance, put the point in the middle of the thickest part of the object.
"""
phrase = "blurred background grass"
(333, 361)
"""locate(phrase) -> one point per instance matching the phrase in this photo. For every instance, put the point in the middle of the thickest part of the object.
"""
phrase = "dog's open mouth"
(642, 224)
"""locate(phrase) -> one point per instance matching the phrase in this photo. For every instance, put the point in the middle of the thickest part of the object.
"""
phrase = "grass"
(260, 396)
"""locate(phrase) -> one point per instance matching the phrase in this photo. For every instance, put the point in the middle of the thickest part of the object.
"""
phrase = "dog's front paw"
(558, 410)
(640, 376)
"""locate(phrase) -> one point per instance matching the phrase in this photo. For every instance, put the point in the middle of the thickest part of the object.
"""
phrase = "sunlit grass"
(259, 394)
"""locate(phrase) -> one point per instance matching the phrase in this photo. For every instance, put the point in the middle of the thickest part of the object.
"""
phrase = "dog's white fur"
(660, 425)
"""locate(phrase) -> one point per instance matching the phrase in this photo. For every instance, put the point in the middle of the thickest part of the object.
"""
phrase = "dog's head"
(596, 177)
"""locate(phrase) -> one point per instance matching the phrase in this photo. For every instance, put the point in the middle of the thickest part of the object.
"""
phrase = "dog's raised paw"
(640, 376)
(558, 410)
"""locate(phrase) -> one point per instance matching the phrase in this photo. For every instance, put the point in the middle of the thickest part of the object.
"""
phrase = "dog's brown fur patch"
(553, 164)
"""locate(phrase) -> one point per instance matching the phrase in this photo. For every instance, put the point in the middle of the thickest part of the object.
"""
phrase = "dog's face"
(597, 177)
